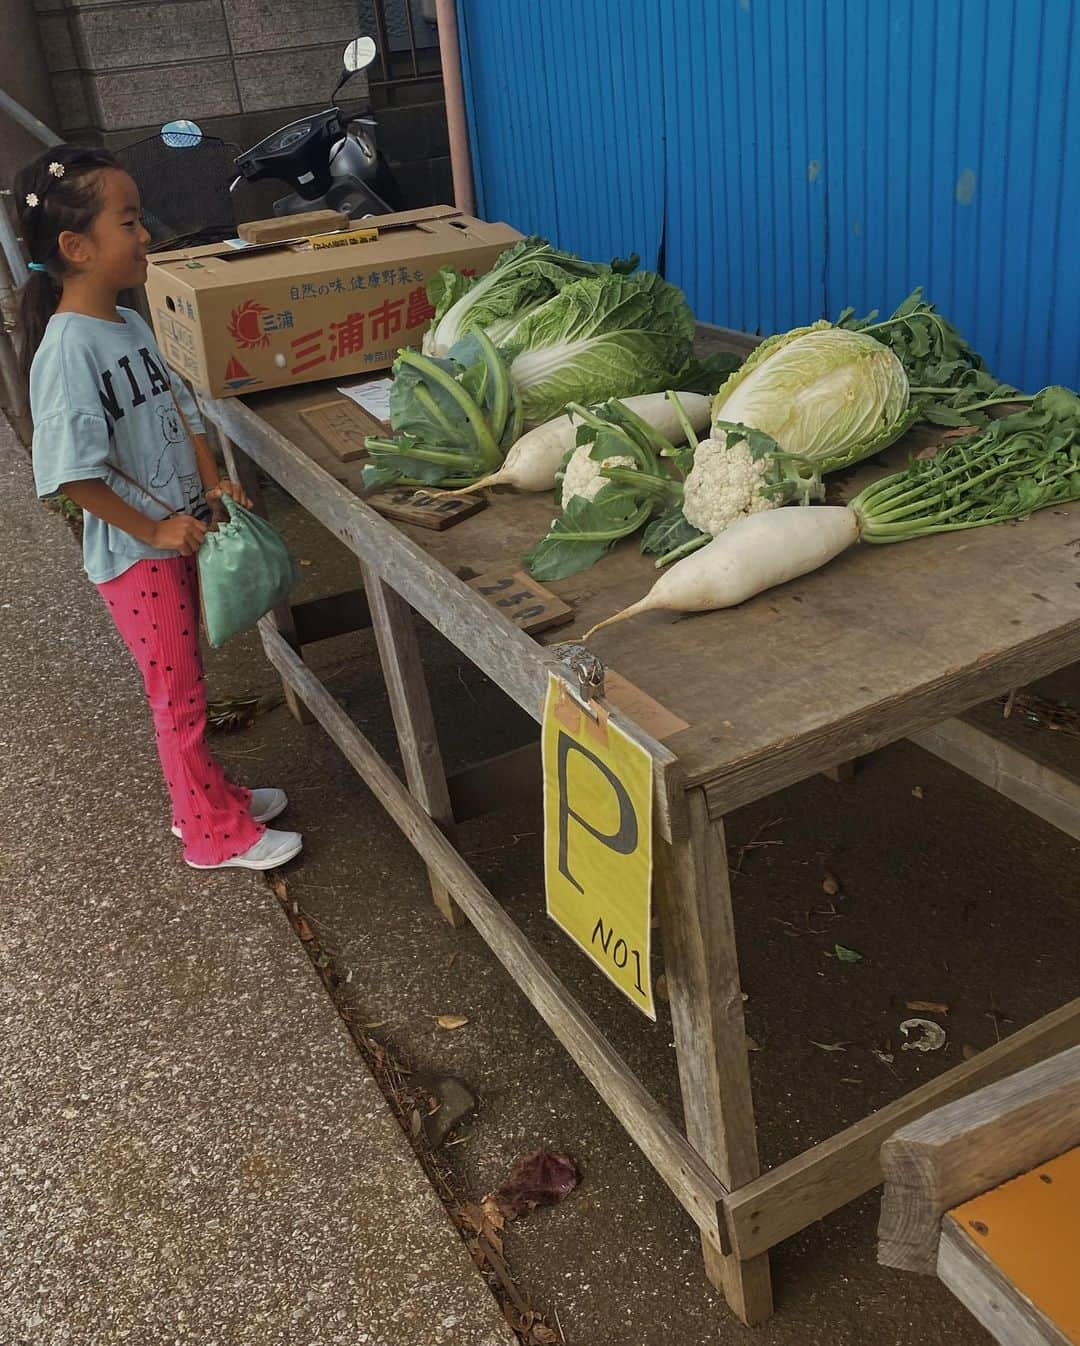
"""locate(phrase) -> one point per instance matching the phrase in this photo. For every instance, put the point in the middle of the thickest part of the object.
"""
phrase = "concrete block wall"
(240, 68)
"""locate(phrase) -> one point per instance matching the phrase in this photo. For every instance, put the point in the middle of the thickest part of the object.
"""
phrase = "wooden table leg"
(842, 771)
(242, 470)
(693, 895)
(399, 654)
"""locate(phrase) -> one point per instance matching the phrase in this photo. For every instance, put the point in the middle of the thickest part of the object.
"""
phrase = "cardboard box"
(238, 320)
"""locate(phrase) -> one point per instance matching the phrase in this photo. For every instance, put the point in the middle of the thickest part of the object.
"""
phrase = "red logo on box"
(236, 376)
(246, 327)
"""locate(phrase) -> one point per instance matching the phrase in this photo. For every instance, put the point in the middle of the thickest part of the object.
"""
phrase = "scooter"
(330, 165)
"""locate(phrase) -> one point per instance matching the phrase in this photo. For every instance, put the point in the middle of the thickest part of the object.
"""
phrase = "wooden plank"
(961, 1150)
(529, 605)
(513, 661)
(1028, 1230)
(342, 426)
(1049, 794)
(424, 509)
(282, 228)
(693, 896)
(642, 708)
(1006, 1314)
(241, 469)
(841, 772)
(685, 1172)
(410, 705)
(335, 615)
(510, 781)
(513, 779)
(827, 1176)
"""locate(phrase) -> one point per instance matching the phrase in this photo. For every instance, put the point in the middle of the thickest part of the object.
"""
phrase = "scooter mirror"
(181, 135)
(359, 54)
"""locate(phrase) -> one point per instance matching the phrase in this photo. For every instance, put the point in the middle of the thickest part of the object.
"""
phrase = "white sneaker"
(265, 805)
(271, 849)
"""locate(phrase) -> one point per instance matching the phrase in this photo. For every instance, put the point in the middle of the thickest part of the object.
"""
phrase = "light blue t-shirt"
(100, 394)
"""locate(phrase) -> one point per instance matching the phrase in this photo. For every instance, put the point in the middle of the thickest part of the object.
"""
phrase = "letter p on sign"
(598, 841)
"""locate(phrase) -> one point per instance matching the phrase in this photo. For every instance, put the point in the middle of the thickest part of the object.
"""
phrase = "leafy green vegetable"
(455, 418)
(671, 536)
(604, 336)
(1019, 463)
(831, 395)
(615, 481)
(949, 382)
(614, 500)
(584, 531)
(739, 471)
(522, 278)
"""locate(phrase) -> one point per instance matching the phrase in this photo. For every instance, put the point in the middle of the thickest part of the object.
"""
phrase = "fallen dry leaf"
(281, 891)
(451, 960)
(830, 884)
(451, 1021)
(304, 930)
(928, 1006)
(305, 563)
(829, 1046)
(917, 791)
(967, 1051)
(487, 1220)
(530, 1326)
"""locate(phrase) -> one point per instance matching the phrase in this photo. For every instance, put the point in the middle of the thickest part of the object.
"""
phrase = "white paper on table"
(373, 396)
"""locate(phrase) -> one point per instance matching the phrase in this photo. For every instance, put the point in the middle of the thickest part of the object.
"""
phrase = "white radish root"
(534, 459)
(754, 554)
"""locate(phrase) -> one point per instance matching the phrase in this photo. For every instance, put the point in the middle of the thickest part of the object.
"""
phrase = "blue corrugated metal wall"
(795, 156)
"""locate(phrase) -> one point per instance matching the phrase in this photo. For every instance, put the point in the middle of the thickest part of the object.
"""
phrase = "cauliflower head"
(725, 483)
(582, 476)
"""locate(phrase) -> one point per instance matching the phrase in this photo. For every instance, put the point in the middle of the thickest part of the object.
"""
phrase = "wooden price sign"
(598, 840)
(342, 426)
(518, 596)
(424, 509)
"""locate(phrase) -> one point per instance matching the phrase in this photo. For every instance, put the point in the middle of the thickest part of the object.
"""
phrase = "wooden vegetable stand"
(787, 686)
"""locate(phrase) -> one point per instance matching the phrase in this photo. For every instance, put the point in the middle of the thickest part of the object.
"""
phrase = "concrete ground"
(949, 892)
(193, 1151)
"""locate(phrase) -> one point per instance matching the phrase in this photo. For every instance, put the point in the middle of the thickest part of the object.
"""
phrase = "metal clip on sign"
(590, 672)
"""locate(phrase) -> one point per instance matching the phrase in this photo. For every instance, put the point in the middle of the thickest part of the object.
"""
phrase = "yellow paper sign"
(598, 840)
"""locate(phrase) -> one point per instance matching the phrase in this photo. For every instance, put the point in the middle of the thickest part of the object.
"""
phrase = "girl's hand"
(231, 488)
(180, 532)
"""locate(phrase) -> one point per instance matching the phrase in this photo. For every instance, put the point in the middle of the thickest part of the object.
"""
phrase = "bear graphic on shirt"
(172, 433)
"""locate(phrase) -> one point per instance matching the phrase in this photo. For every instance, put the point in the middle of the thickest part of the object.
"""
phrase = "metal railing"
(409, 64)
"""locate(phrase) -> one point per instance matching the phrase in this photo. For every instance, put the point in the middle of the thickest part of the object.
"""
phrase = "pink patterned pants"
(155, 605)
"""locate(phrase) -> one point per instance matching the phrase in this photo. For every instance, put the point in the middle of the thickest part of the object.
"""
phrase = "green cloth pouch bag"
(244, 570)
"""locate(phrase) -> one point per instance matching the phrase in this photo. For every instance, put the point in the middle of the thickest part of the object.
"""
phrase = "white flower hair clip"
(32, 199)
(56, 169)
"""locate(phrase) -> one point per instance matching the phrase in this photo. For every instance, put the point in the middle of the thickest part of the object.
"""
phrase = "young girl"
(108, 435)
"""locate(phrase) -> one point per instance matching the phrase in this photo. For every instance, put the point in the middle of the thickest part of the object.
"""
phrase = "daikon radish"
(532, 462)
(755, 553)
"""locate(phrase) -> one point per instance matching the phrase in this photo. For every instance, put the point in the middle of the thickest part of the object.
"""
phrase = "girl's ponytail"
(58, 192)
